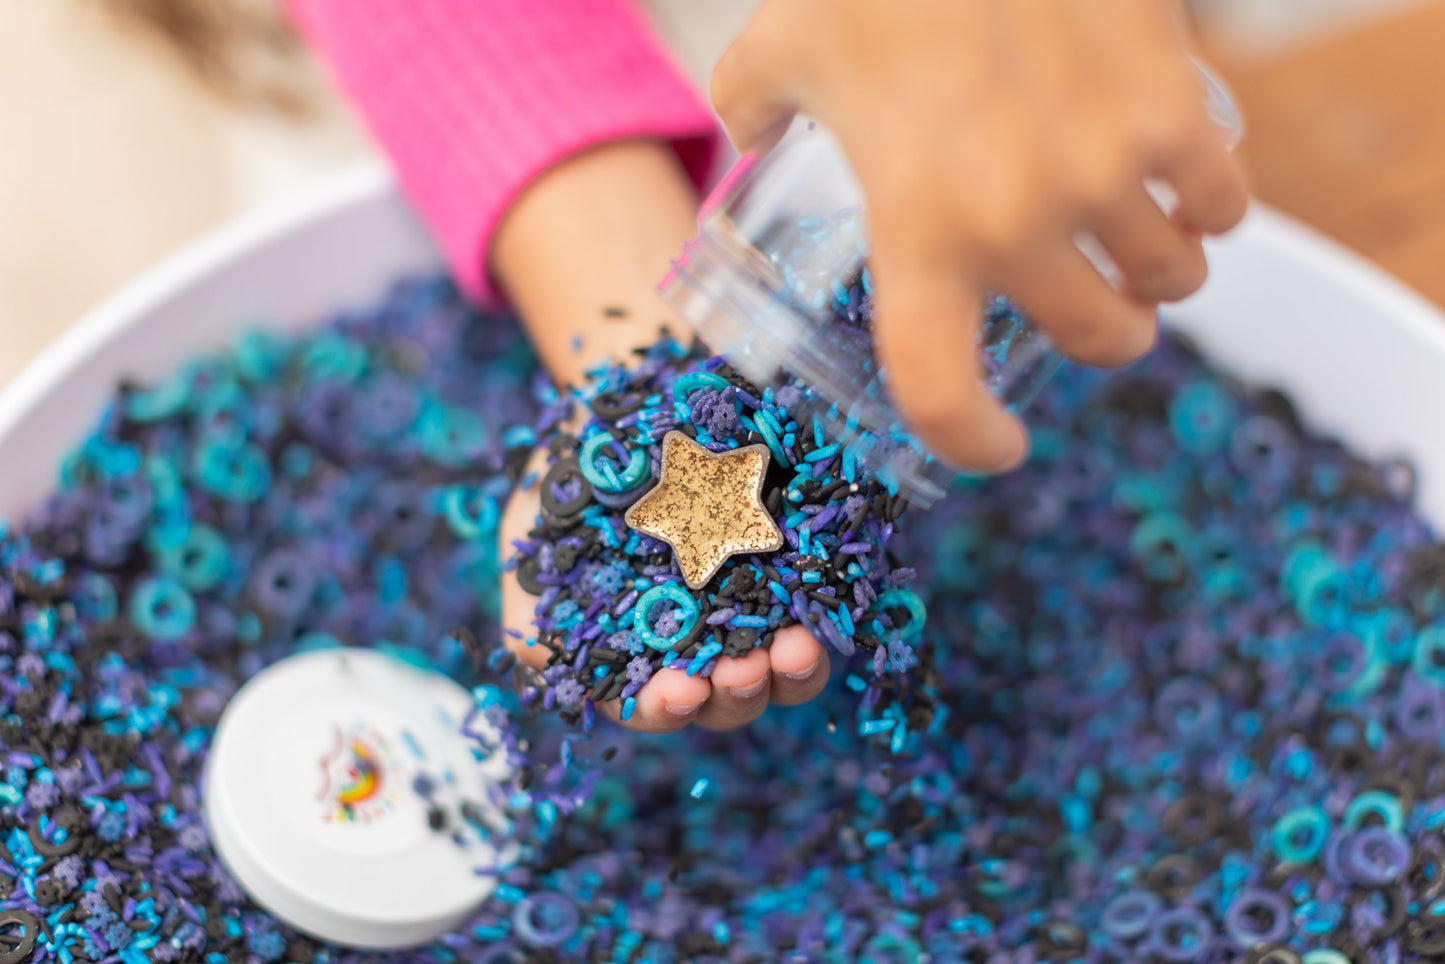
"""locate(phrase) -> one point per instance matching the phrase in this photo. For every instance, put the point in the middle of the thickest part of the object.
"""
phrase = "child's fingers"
(799, 666)
(1159, 260)
(1086, 318)
(753, 87)
(927, 324)
(739, 691)
(668, 702)
(1213, 195)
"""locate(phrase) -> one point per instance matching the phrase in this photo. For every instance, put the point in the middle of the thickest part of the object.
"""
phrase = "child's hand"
(793, 670)
(985, 135)
(579, 255)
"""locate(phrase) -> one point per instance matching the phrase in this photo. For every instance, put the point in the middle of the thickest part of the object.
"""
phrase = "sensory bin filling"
(614, 603)
(1178, 693)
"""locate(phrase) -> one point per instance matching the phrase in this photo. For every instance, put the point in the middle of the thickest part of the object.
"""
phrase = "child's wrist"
(581, 250)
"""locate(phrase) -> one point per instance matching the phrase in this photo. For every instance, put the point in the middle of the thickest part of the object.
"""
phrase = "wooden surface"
(1348, 135)
(115, 154)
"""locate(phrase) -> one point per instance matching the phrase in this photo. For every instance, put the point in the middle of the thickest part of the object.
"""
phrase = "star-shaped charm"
(707, 506)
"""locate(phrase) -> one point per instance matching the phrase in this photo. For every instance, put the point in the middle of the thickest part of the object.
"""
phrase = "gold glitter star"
(707, 506)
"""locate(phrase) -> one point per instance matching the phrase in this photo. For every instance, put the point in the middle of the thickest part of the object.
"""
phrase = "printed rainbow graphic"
(363, 776)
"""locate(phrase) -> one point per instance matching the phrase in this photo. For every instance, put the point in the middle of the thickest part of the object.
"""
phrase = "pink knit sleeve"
(472, 99)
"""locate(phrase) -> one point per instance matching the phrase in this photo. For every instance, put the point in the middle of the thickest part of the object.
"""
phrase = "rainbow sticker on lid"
(354, 786)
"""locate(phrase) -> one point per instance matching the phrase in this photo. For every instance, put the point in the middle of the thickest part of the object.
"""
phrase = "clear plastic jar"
(777, 282)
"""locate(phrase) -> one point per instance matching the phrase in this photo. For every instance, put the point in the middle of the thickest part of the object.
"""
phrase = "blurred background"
(130, 126)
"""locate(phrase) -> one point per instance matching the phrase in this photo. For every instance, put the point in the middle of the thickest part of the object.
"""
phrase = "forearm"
(580, 252)
(474, 99)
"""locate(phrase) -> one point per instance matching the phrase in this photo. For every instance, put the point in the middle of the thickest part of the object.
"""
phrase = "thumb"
(754, 86)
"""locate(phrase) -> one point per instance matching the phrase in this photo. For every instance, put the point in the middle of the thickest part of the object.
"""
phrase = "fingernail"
(804, 674)
(680, 709)
(743, 692)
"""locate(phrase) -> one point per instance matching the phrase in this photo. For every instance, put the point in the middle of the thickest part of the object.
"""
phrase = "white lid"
(310, 801)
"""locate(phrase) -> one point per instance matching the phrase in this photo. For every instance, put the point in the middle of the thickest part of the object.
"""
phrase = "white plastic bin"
(1362, 356)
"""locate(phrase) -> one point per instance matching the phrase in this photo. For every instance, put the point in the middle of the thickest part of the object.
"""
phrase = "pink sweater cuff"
(472, 99)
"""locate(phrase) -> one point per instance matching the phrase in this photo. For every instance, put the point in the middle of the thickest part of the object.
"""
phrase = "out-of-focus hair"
(245, 50)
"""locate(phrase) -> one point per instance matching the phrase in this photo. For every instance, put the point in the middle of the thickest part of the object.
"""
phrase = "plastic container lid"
(309, 794)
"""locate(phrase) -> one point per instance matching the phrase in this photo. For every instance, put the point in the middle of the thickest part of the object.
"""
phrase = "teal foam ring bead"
(165, 481)
(235, 473)
(95, 597)
(199, 560)
(692, 381)
(667, 592)
(1305, 563)
(217, 393)
(450, 436)
(1392, 629)
(961, 554)
(317, 640)
(162, 608)
(1321, 599)
(226, 433)
(170, 524)
(634, 473)
(1162, 544)
(1139, 493)
(909, 600)
(259, 355)
(1299, 836)
(1429, 659)
(1046, 444)
(296, 461)
(408, 655)
(1378, 803)
(471, 514)
(113, 459)
(1373, 672)
(1324, 955)
(162, 400)
(333, 356)
(1202, 417)
(247, 627)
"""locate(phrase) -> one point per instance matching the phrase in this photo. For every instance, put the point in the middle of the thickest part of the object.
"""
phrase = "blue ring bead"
(162, 608)
(633, 474)
(693, 381)
(1243, 920)
(1181, 934)
(1324, 955)
(667, 592)
(1129, 915)
(545, 919)
(1429, 660)
(909, 600)
(199, 560)
(469, 512)
(1384, 805)
(1375, 856)
(1311, 821)
(1202, 417)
